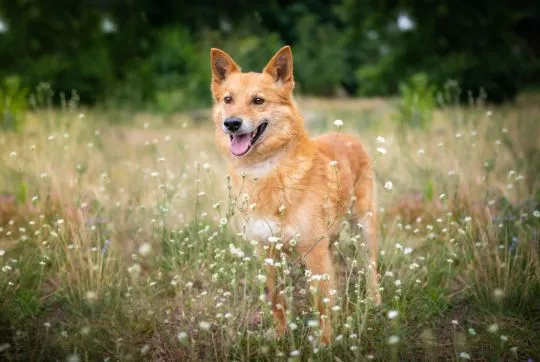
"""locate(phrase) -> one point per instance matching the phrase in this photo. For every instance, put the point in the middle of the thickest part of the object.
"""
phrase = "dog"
(303, 188)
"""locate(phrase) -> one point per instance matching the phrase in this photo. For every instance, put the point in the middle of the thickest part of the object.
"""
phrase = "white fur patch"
(262, 229)
(260, 169)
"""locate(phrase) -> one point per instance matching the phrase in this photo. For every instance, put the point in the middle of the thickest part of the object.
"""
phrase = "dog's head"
(254, 112)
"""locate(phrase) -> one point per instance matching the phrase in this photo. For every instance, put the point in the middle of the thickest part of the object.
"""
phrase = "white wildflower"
(134, 269)
(73, 358)
(91, 295)
(204, 325)
(393, 340)
(498, 293)
(236, 251)
(381, 150)
(392, 314)
(145, 249)
(493, 328)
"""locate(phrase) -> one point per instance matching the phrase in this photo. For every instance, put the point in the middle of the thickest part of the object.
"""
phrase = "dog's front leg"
(319, 262)
(279, 303)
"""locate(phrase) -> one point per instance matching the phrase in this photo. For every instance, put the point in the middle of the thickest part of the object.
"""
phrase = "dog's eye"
(258, 100)
(227, 99)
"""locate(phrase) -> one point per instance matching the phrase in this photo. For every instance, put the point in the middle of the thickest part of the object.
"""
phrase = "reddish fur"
(302, 178)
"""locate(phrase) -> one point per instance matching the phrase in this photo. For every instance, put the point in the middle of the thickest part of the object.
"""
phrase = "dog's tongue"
(240, 144)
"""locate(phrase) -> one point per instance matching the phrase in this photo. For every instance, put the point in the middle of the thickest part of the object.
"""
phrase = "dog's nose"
(233, 124)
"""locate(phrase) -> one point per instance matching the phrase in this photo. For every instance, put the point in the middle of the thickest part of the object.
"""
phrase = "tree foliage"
(143, 51)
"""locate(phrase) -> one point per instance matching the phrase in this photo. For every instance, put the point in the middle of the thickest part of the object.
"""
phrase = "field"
(117, 241)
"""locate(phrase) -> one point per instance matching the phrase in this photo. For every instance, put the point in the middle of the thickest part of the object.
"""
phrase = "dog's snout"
(233, 124)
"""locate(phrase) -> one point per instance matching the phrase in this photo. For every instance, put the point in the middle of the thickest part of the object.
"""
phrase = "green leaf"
(22, 193)
(429, 190)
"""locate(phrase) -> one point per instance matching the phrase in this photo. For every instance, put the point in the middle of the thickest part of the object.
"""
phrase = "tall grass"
(117, 243)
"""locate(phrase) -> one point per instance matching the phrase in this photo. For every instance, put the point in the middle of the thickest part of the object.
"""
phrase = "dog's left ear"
(280, 67)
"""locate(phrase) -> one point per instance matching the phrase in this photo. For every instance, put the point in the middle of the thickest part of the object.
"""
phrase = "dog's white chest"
(261, 229)
(260, 169)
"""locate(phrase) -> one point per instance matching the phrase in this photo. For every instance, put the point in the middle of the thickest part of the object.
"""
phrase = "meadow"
(117, 241)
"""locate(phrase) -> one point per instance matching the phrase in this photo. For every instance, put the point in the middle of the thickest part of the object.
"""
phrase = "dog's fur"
(285, 167)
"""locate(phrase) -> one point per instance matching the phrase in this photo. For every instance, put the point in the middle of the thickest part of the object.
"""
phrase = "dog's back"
(347, 151)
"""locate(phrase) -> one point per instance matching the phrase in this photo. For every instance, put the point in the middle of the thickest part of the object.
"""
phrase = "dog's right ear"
(222, 65)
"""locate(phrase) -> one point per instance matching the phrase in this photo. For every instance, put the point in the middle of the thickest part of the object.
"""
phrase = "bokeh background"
(144, 53)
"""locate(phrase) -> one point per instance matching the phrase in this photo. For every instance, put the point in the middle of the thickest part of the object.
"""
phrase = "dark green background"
(159, 51)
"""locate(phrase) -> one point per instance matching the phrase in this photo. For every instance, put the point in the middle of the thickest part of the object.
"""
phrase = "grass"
(117, 242)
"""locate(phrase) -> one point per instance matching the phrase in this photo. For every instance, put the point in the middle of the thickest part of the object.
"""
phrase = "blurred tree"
(126, 48)
(320, 70)
(71, 44)
(480, 44)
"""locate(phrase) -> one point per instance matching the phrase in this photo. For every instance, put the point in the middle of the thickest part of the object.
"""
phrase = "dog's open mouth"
(241, 143)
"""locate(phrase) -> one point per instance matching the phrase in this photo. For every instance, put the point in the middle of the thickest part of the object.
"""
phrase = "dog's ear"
(280, 67)
(222, 65)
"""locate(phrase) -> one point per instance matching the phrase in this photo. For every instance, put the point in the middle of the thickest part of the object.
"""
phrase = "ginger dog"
(321, 182)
